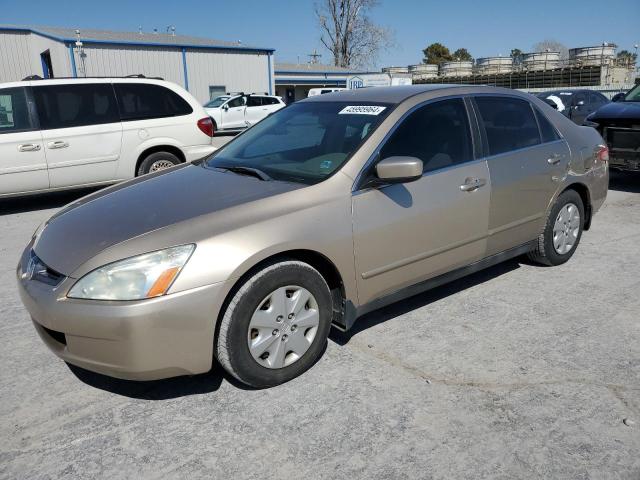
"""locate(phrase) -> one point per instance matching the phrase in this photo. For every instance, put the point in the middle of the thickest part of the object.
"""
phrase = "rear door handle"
(554, 159)
(472, 184)
(29, 147)
(57, 144)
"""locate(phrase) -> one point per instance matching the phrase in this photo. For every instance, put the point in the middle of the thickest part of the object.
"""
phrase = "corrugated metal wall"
(15, 56)
(122, 60)
(236, 71)
(20, 56)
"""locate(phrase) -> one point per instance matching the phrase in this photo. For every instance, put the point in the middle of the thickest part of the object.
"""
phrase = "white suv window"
(14, 112)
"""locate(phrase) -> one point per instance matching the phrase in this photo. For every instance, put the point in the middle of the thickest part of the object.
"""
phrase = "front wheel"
(276, 325)
(562, 232)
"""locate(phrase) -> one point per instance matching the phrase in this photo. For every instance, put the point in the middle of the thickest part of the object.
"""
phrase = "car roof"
(400, 93)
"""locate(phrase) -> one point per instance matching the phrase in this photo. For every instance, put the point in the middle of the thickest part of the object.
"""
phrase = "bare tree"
(349, 34)
(552, 46)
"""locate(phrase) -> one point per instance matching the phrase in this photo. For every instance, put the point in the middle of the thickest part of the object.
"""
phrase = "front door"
(526, 158)
(233, 113)
(23, 167)
(81, 131)
(410, 232)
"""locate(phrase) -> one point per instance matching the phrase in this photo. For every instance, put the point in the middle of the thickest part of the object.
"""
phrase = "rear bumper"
(197, 152)
(138, 340)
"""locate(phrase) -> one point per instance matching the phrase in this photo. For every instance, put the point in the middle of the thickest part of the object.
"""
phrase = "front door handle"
(29, 147)
(554, 159)
(57, 144)
(472, 184)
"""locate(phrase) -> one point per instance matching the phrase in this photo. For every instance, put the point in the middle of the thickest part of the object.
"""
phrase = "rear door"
(581, 107)
(406, 233)
(525, 168)
(257, 109)
(23, 166)
(233, 113)
(81, 131)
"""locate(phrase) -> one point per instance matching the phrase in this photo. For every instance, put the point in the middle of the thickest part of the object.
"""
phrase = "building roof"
(68, 35)
(313, 68)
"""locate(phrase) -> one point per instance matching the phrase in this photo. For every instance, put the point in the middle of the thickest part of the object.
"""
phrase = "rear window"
(138, 101)
(14, 113)
(74, 105)
(509, 123)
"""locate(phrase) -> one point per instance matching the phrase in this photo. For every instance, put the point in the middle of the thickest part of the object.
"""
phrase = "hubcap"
(566, 229)
(160, 165)
(283, 327)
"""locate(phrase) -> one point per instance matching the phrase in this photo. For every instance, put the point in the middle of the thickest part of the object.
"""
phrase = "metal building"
(205, 67)
(293, 80)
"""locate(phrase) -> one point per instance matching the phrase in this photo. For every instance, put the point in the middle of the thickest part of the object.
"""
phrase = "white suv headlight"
(145, 276)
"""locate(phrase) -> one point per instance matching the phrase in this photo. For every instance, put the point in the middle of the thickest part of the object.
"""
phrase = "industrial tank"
(593, 56)
(395, 70)
(423, 71)
(492, 65)
(456, 69)
(541, 60)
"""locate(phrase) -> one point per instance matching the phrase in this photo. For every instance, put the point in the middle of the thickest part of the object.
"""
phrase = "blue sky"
(483, 27)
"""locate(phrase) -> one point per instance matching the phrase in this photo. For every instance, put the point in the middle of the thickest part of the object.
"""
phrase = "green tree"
(436, 53)
(626, 57)
(462, 55)
(517, 56)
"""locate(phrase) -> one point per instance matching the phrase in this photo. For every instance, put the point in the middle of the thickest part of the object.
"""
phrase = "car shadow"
(42, 201)
(624, 181)
(165, 389)
(417, 301)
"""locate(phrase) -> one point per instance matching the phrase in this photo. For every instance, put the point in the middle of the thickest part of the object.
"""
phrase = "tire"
(256, 297)
(157, 159)
(546, 252)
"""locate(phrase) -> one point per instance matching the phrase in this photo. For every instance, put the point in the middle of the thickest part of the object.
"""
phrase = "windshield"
(633, 95)
(305, 142)
(216, 102)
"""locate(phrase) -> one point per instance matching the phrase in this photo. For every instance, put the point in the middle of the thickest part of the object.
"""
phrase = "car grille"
(37, 270)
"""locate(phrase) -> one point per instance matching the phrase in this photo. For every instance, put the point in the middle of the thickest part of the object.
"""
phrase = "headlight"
(145, 276)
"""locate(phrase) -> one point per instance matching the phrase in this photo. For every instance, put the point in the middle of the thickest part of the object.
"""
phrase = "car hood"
(617, 111)
(106, 218)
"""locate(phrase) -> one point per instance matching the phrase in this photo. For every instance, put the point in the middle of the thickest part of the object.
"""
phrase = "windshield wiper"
(239, 169)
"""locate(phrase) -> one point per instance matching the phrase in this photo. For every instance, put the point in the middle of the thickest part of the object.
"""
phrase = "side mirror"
(580, 103)
(399, 169)
(225, 107)
(618, 97)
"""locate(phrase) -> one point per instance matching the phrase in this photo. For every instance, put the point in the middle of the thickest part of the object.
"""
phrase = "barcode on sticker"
(361, 110)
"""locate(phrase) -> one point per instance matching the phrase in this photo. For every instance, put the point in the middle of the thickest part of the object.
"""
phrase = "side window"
(75, 105)
(236, 102)
(269, 101)
(438, 134)
(547, 131)
(254, 101)
(138, 101)
(14, 112)
(508, 122)
(597, 99)
(580, 97)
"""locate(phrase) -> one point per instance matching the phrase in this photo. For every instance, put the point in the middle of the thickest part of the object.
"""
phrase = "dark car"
(619, 124)
(574, 104)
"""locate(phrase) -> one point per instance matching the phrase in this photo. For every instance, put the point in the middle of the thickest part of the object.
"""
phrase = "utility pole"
(314, 57)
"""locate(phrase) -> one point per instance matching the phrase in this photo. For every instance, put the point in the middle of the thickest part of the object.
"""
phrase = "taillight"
(206, 126)
(602, 153)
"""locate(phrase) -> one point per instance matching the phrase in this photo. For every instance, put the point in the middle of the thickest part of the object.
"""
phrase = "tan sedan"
(324, 211)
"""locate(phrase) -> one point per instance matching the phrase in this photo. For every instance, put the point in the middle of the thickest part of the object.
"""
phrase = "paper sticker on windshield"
(362, 110)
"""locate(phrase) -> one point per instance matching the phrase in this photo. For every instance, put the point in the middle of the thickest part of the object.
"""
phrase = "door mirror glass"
(399, 169)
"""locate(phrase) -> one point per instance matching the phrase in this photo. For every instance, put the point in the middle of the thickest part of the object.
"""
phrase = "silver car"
(324, 211)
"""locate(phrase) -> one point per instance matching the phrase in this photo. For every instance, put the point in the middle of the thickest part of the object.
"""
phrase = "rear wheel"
(562, 232)
(276, 325)
(157, 161)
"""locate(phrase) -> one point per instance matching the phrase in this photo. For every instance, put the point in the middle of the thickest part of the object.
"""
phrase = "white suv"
(67, 133)
(238, 111)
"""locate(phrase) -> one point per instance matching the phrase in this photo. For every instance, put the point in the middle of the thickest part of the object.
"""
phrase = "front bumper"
(138, 340)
